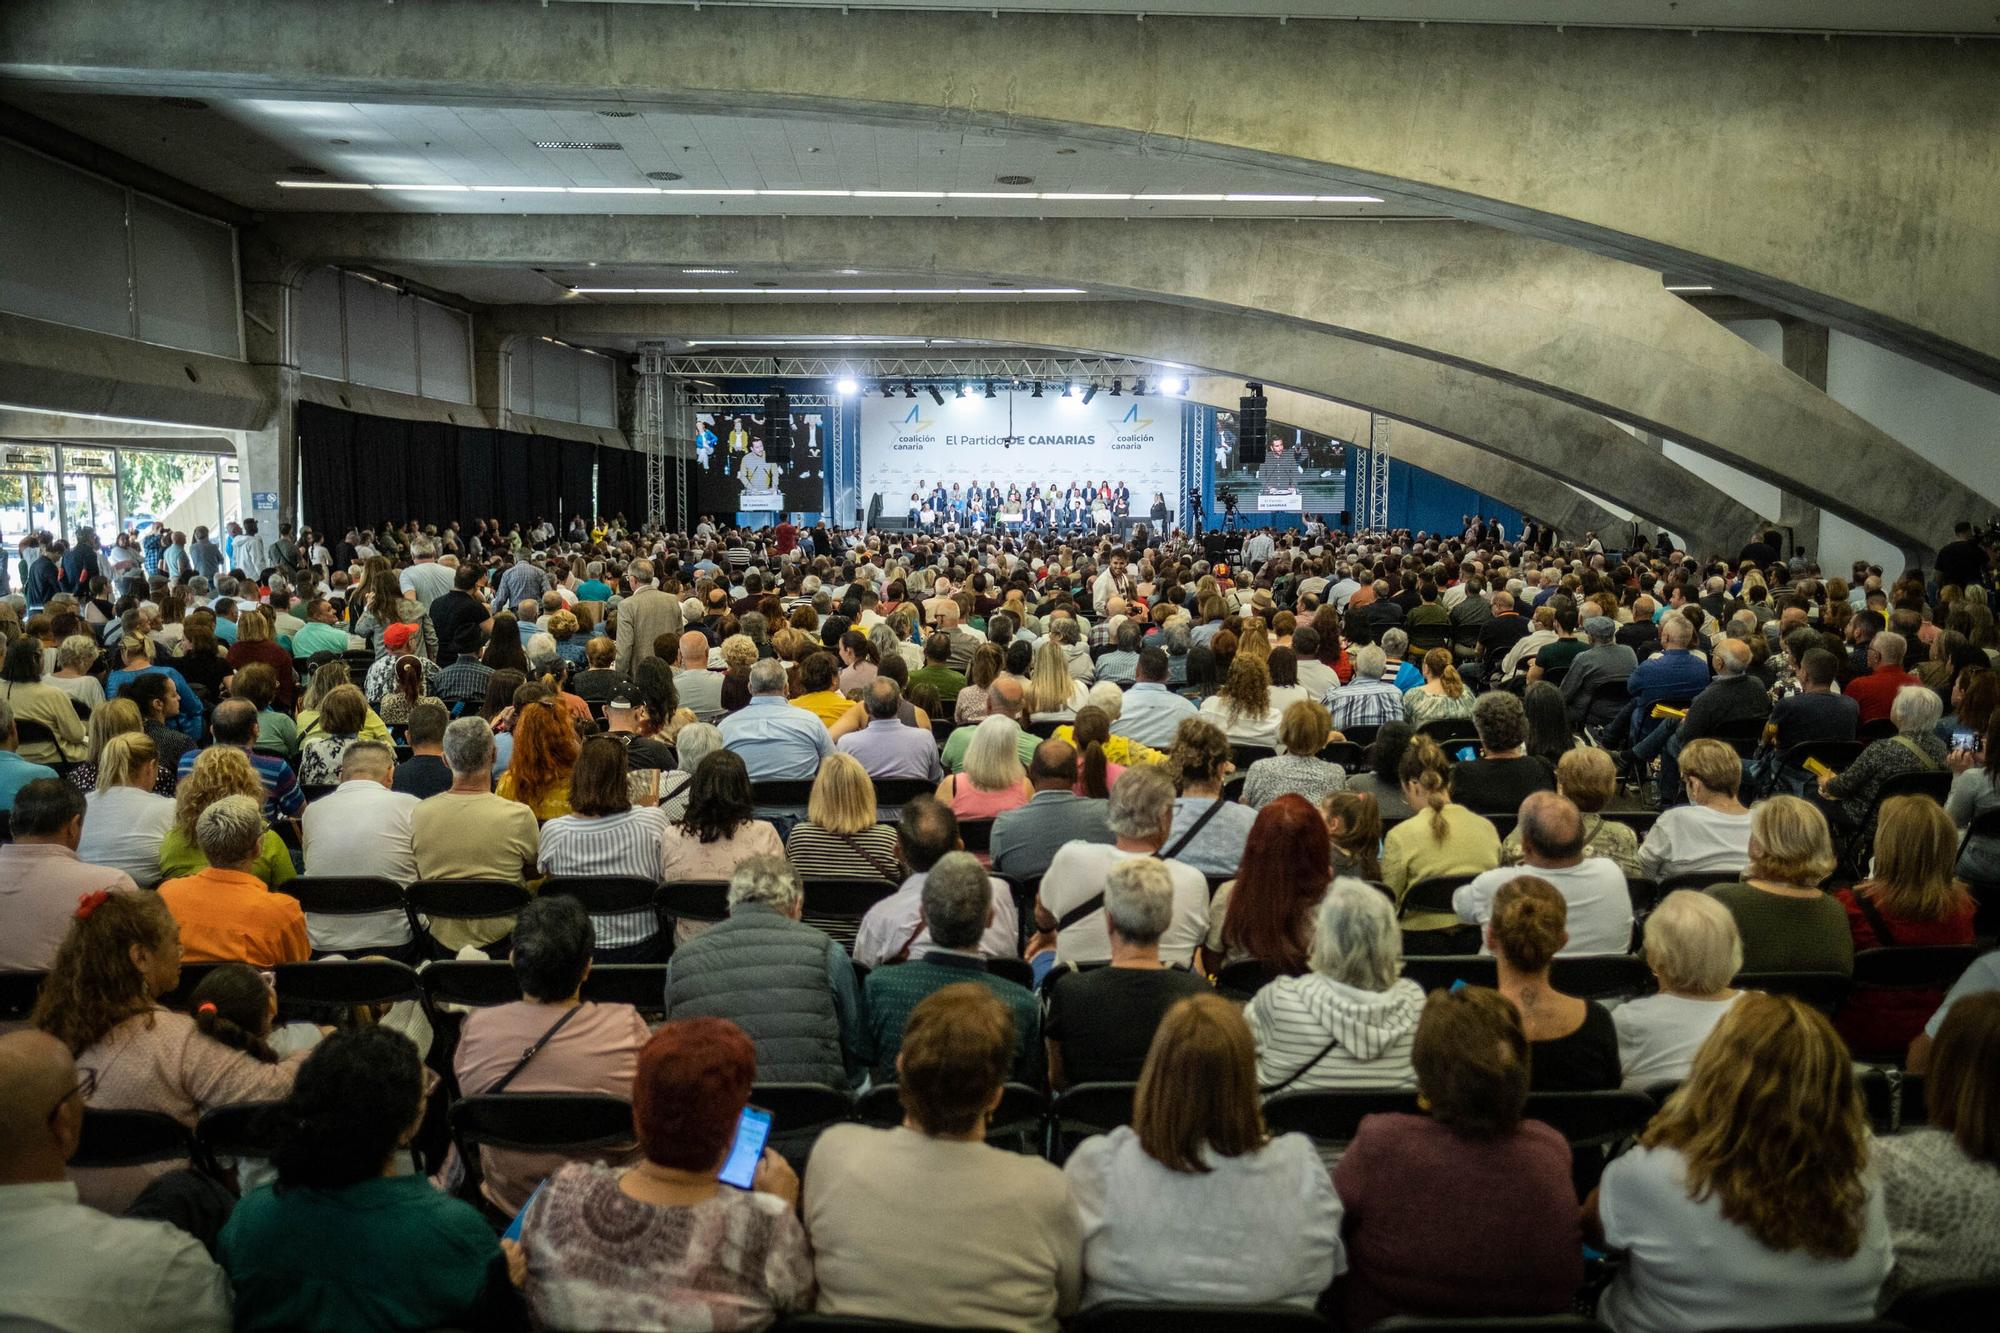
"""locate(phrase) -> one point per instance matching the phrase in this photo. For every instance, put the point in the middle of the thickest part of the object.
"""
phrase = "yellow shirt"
(553, 803)
(372, 728)
(1410, 854)
(1119, 749)
(826, 705)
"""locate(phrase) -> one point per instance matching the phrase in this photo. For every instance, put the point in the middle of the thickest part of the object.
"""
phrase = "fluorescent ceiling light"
(1074, 196)
(450, 189)
(709, 272)
(826, 291)
(1346, 199)
(1689, 287)
(1268, 198)
(899, 194)
(1053, 196)
(518, 189)
(322, 185)
(614, 189)
(821, 342)
(991, 194)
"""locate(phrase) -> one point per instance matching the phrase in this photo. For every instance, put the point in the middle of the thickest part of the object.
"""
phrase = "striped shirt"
(282, 795)
(623, 845)
(1333, 1035)
(817, 854)
(464, 681)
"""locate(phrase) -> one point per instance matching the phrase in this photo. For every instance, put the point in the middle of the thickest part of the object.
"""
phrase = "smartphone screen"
(752, 1131)
(1964, 740)
(1467, 753)
(513, 1231)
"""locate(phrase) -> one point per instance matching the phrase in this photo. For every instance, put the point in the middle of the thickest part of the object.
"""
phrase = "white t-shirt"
(1693, 839)
(1600, 906)
(1658, 1035)
(1688, 1267)
(360, 828)
(123, 828)
(1077, 873)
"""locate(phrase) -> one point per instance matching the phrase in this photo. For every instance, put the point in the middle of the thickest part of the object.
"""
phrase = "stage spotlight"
(909, 389)
(1172, 384)
(989, 390)
(961, 391)
(1139, 386)
(845, 386)
(1089, 394)
(888, 389)
(1037, 390)
(936, 397)
(1067, 386)
(1117, 387)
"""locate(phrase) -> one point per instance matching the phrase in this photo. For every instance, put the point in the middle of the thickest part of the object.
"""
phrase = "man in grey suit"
(1025, 839)
(643, 616)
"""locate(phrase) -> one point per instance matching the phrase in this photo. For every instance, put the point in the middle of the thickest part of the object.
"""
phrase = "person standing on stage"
(1121, 500)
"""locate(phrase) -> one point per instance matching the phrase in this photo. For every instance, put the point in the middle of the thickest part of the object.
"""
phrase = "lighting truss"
(943, 369)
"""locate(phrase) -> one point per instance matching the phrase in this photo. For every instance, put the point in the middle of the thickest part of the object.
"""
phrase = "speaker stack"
(778, 428)
(1253, 430)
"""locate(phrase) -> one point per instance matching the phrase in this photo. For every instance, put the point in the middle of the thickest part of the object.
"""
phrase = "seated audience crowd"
(1085, 920)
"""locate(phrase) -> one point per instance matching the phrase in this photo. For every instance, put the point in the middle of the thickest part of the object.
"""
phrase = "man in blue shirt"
(235, 723)
(1673, 673)
(776, 741)
(15, 772)
(1152, 713)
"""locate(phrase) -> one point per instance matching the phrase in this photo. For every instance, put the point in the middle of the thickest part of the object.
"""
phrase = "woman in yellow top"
(545, 751)
(220, 771)
(1442, 838)
(1120, 750)
(816, 693)
(328, 678)
(33, 701)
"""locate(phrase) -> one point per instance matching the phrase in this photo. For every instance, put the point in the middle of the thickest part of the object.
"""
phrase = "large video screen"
(737, 468)
(1300, 472)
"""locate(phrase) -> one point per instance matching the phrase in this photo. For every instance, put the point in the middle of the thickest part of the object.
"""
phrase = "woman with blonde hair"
(1589, 778)
(1912, 898)
(218, 772)
(841, 836)
(1243, 708)
(385, 605)
(1052, 692)
(117, 717)
(993, 780)
(1788, 924)
(1694, 951)
(1441, 838)
(75, 656)
(1196, 1161)
(1296, 769)
(1442, 695)
(545, 751)
(1750, 1199)
(125, 818)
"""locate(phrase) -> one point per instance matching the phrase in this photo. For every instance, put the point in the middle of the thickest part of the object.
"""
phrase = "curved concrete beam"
(1592, 331)
(1553, 438)
(1771, 164)
(52, 368)
(1476, 469)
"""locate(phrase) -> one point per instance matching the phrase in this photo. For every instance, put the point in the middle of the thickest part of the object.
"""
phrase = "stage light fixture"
(909, 389)
(1066, 388)
(1088, 394)
(846, 387)
(1117, 387)
(888, 389)
(989, 390)
(1037, 393)
(961, 391)
(936, 397)
(1172, 384)
(1139, 386)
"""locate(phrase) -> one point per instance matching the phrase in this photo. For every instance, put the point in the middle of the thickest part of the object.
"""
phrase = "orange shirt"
(227, 916)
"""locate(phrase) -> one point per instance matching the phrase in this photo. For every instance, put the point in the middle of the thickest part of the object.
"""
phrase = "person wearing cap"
(1603, 661)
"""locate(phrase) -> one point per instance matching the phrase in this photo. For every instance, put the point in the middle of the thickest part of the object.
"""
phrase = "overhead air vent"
(664, 176)
(577, 146)
(184, 103)
(618, 115)
(1013, 180)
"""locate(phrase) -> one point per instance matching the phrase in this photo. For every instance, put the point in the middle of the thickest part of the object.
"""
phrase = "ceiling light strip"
(1052, 196)
(827, 291)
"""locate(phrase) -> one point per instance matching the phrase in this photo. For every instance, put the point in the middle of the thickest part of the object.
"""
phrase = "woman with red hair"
(1265, 913)
(663, 1244)
(545, 751)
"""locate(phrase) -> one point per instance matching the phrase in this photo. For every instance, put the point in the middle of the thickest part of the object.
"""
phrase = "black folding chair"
(18, 992)
(1045, 728)
(1592, 1119)
(1245, 755)
(1878, 729)
(781, 796)
(449, 987)
(1016, 1123)
(1445, 730)
(353, 896)
(641, 985)
(1645, 894)
(192, 975)
(1947, 1307)
(1698, 880)
(1527, 1323)
(1328, 1115)
(800, 1113)
(1822, 990)
(609, 895)
(1639, 821)
(1935, 784)
(459, 900)
(1836, 755)
(1146, 1317)
(1085, 1109)
(1345, 753)
(836, 905)
(315, 791)
(1601, 976)
(1434, 894)
(577, 1124)
(1012, 969)
(1744, 736)
(1442, 971)
(236, 1131)
(347, 981)
(130, 1138)
(891, 794)
(1242, 979)
(698, 900)
(977, 834)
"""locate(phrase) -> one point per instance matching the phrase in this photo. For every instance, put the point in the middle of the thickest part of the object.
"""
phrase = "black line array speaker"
(1253, 430)
(778, 428)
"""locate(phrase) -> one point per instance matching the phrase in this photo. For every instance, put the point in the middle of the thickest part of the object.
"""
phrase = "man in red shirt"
(788, 536)
(1875, 691)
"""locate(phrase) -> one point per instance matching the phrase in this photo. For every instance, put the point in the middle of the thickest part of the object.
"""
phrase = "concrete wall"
(348, 327)
(558, 382)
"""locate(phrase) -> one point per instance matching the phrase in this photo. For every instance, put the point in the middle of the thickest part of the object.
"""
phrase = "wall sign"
(264, 500)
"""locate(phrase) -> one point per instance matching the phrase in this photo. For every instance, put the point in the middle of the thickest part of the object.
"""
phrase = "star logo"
(1131, 421)
(914, 424)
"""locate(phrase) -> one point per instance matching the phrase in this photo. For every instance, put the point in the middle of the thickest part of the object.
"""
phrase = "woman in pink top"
(719, 829)
(993, 780)
(122, 952)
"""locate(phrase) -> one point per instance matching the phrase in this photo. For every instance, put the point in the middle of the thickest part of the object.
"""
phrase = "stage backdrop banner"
(1012, 439)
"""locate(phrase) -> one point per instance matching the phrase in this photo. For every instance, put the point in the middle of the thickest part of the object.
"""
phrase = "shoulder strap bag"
(1303, 1069)
(1875, 919)
(535, 1049)
(1188, 837)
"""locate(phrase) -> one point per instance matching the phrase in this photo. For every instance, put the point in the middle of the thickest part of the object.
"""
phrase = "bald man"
(65, 1266)
(697, 687)
(1554, 850)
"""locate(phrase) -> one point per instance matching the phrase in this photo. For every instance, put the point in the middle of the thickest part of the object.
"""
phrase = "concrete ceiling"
(1872, 16)
(487, 157)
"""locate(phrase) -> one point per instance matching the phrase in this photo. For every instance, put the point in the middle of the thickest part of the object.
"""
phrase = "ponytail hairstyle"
(232, 1005)
(1425, 766)
(410, 678)
(1438, 663)
(1090, 733)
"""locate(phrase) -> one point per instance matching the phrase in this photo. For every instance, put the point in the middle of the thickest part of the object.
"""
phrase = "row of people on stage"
(1077, 503)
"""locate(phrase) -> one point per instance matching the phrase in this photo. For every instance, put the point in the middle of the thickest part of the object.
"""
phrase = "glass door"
(27, 504)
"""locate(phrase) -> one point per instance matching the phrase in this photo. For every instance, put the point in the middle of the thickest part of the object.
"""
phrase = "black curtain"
(357, 471)
(621, 483)
(577, 462)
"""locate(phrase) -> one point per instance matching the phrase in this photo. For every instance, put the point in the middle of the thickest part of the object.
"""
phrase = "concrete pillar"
(1805, 356)
(269, 454)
